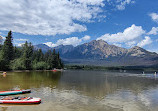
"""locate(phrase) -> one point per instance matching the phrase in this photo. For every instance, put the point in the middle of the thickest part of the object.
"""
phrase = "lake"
(78, 90)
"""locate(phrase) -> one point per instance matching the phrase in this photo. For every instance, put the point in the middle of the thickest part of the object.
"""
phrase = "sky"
(124, 23)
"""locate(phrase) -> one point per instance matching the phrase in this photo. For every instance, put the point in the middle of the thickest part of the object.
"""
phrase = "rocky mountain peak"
(98, 42)
(136, 48)
(64, 49)
(98, 49)
(44, 47)
(103, 53)
(139, 52)
(64, 46)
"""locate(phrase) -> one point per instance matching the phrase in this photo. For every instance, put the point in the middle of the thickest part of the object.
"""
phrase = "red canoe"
(54, 70)
(57, 70)
(20, 100)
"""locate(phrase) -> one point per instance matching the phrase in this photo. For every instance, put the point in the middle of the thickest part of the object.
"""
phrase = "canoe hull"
(14, 92)
(32, 101)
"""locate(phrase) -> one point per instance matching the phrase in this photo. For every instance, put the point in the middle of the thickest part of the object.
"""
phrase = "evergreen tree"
(39, 55)
(54, 60)
(17, 52)
(7, 52)
(7, 49)
(26, 58)
(58, 61)
(27, 55)
(54, 52)
(50, 59)
(0, 47)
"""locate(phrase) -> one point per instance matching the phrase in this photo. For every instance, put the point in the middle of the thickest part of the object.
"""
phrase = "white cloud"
(48, 17)
(145, 42)
(154, 17)
(123, 4)
(131, 43)
(21, 39)
(50, 44)
(86, 38)
(68, 41)
(154, 31)
(91, 2)
(130, 37)
(129, 34)
(19, 44)
(51, 17)
(116, 44)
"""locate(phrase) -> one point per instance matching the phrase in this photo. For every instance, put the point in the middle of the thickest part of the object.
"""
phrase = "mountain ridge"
(99, 52)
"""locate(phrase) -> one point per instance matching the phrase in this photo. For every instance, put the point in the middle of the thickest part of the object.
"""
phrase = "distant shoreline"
(88, 67)
(136, 68)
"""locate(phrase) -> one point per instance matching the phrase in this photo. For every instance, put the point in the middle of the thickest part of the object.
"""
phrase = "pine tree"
(40, 55)
(17, 52)
(27, 55)
(7, 52)
(58, 61)
(7, 49)
(26, 58)
(54, 52)
(0, 46)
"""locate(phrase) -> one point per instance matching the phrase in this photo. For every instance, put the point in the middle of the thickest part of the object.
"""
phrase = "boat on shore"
(14, 92)
(57, 70)
(19, 100)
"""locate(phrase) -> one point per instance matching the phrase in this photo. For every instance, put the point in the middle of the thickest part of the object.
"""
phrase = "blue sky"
(125, 23)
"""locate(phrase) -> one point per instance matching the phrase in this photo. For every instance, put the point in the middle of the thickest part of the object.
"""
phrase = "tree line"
(26, 57)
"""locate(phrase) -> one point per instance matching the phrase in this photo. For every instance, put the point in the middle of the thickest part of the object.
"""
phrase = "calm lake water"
(84, 91)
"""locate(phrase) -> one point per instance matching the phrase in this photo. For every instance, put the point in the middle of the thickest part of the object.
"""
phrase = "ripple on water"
(85, 91)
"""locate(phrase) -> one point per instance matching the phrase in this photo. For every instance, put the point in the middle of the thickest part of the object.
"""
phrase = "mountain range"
(99, 52)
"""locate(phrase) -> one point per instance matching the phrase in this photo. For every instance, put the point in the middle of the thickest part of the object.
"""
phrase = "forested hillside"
(26, 57)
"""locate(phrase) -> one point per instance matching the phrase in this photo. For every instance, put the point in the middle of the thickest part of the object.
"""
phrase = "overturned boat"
(14, 92)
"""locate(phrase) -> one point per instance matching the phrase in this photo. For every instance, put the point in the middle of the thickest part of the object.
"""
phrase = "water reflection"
(85, 90)
(92, 83)
(28, 80)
